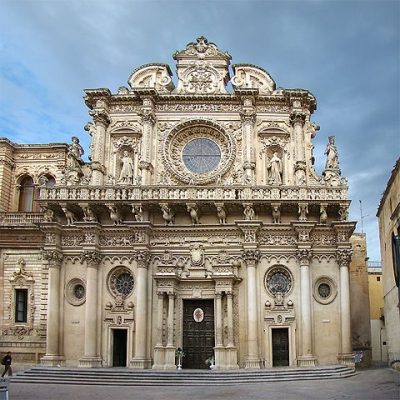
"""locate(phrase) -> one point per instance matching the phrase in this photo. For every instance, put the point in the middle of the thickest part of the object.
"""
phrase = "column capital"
(92, 258)
(142, 257)
(343, 257)
(251, 256)
(100, 117)
(147, 115)
(304, 256)
(297, 118)
(248, 116)
(53, 257)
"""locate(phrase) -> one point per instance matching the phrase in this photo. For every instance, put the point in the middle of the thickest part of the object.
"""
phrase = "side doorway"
(119, 348)
(280, 347)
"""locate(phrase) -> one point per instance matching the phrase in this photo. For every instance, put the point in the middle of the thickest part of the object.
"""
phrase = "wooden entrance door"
(198, 333)
(280, 347)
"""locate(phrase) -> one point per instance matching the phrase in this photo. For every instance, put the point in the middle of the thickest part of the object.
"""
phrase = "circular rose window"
(201, 155)
(120, 281)
(198, 151)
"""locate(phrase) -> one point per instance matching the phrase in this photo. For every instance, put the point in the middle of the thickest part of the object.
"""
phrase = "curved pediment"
(248, 76)
(154, 76)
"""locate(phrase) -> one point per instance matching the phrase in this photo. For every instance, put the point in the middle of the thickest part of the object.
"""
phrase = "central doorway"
(198, 333)
(280, 347)
(120, 337)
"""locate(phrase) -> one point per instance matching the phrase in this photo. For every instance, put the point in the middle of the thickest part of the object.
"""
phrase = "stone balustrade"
(20, 218)
(215, 193)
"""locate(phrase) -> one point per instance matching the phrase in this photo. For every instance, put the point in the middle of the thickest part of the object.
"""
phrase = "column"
(91, 359)
(148, 120)
(248, 117)
(140, 359)
(98, 145)
(252, 360)
(306, 358)
(346, 355)
(230, 350)
(159, 350)
(53, 357)
(297, 119)
(170, 348)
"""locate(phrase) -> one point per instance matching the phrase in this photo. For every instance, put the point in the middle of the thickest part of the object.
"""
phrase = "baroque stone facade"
(198, 223)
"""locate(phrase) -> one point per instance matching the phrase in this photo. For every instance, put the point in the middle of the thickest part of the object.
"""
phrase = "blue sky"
(345, 52)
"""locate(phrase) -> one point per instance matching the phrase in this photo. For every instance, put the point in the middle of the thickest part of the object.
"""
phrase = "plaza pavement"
(367, 384)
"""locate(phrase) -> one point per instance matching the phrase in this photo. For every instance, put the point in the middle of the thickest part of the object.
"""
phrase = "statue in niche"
(249, 213)
(89, 216)
(75, 152)
(127, 170)
(275, 170)
(331, 154)
(303, 211)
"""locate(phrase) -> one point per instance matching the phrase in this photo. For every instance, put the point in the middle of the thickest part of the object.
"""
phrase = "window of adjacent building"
(21, 305)
(378, 278)
(26, 194)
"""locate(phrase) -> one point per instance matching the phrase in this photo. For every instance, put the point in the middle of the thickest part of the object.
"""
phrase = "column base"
(52, 361)
(90, 362)
(170, 357)
(346, 359)
(252, 363)
(140, 363)
(159, 357)
(307, 361)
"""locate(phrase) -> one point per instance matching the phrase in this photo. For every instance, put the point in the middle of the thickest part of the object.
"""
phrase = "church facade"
(199, 224)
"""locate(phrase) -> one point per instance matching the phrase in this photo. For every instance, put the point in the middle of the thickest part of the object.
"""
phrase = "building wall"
(126, 244)
(389, 223)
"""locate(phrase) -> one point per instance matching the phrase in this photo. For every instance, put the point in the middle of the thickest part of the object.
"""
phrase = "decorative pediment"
(249, 76)
(202, 69)
(155, 76)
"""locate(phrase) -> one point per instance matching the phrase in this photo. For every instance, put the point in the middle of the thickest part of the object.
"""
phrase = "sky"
(346, 53)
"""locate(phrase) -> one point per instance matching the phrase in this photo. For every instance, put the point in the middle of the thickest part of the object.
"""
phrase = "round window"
(75, 292)
(120, 281)
(201, 155)
(278, 279)
(325, 290)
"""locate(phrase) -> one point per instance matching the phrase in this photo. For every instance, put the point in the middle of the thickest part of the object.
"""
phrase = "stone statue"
(275, 170)
(168, 214)
(126, 174)
(331, 154)
(303, 211)
(249, 213)
(193, 211)
(89, 216)
(221, 213)
(75, 152)
(71, 218)
(323, 216)
(276, 215)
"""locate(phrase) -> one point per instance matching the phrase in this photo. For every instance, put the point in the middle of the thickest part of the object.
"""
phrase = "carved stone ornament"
(185, 151)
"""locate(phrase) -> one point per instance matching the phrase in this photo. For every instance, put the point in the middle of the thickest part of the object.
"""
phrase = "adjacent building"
(199, 223)
(389, 233)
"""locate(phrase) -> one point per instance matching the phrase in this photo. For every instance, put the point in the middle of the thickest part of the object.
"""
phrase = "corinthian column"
(297, 119)
(140, 359)
(91, 359)
(345, 356)
(251, 257)
(53, 356)
(98, 145)
(248, 116)
(159, 350)
(306, 357)
(148, 120)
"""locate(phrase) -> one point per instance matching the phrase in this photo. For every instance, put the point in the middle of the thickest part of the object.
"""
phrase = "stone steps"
(128, 377)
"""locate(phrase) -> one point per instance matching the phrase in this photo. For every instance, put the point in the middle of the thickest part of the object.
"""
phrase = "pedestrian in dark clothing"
(7, 364)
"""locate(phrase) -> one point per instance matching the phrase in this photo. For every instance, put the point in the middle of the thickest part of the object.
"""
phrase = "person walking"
(7, 364)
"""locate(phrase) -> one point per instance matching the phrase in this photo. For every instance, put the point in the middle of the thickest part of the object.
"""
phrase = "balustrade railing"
(166, 193)
(20, 218)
